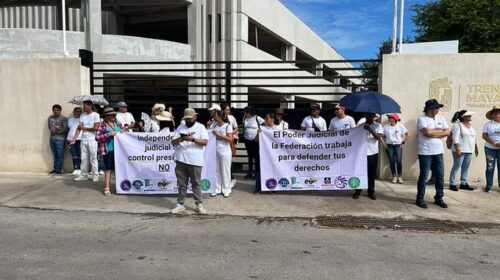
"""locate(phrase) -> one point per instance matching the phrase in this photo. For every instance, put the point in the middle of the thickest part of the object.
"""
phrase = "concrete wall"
(28, 89)
(460, 81)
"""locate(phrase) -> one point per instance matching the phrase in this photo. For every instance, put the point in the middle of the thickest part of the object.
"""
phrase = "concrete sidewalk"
(42, 191)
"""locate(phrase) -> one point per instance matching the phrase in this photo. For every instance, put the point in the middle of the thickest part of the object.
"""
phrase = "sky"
(355, 28)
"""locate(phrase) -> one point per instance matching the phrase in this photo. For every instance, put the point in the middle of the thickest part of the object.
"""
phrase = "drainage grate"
(394, 223)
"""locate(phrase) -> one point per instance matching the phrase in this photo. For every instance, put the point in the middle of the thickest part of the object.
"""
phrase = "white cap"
(468, 113)
(215, 107)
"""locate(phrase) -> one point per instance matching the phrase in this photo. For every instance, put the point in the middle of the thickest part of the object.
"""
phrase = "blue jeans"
(395, 153)
(76, 154)
(492, 156)
(436, 164)
(57, 148)
(462, 162)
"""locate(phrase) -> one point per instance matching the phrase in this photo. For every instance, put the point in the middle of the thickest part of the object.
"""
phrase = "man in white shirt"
(123, 117)
(190, 139)
(432, 128)
(279, 113)
(341, 121)
(314, 122)
(89, 123)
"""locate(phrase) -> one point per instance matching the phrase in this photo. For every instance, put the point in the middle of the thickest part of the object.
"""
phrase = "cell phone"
(183, 135)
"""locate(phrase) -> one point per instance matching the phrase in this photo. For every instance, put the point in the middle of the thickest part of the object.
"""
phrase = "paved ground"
(40, 244)
(36, 190)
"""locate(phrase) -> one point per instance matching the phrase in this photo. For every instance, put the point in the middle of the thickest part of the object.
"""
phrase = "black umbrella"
(370, 102)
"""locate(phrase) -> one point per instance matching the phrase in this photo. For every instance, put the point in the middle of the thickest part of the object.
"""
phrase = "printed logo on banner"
(163, 184)
(125, 185)
(340, 182)
(327, 181)
(283, 182)
(295, 183)
(354, 182)
(137, 184)
(148, 185)
(205, 185)
(271, 183)
(310, 182)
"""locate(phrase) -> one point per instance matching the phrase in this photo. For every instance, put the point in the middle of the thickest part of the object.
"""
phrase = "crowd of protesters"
(89, 137)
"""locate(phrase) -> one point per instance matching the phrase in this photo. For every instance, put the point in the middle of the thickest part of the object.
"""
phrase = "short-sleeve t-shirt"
(73, 125)
(319, 122)
(427, 145)
(251, 126)
(372, 142)
(190, 152)
(226, 130)
(341, 123)
(492, 128)
(394, 134)
(125, 118)
(283, 125)
(88, 121)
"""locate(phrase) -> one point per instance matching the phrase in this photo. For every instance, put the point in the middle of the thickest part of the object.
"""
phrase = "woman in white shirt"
(396, 135)
(222, 131)
(251, 124)
(75, 148)
(464, 144)
(271, 123)
(491, 134)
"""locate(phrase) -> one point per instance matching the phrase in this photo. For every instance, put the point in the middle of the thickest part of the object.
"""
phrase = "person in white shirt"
(89, 123)
(223, 132)
(279, 114)
(125, 118)
(214, 108)
(226, 109)
(395, 135)
(491, 136)
(189, 139)
(314, 122)
(75, 148)
(251, 124)
(374, 137)
(463, 146)
(432, 128)
(341, 121)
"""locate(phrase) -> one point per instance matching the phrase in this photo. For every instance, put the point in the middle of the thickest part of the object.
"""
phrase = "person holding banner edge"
(374, 137)
(190, 139)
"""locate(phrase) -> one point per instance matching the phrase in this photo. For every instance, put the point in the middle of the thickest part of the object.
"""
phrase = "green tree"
(475, 23)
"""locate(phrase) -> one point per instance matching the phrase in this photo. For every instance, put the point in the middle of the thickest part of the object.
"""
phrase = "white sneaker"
(82, 178)
(101, 172)
(178, 208)
(394, 180)
(201, 210)
(233, 183)
(77, 172)
(400, 180)
(95, 179)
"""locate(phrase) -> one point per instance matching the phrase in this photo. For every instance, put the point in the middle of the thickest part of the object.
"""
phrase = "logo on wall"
(441, 90)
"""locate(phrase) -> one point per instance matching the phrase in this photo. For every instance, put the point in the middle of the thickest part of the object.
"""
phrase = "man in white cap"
(123, 117)
(432, 128)
(190, 139)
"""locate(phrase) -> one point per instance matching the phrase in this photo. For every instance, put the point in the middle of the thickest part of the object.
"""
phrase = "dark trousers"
(372, 164)
(252, 148)
(57, 148)
(76, 154)
(436, 164)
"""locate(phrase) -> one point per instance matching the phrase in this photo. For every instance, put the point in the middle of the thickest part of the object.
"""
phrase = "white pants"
(223, 182)
(89, 155)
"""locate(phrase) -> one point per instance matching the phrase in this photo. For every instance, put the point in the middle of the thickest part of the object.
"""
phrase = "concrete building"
(180, 30)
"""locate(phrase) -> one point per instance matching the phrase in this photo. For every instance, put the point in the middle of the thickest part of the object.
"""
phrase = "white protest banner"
(144, 164)
(300, 160)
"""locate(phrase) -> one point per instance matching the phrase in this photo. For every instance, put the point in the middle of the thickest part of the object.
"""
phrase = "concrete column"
(291, 52)
(94, 26)
(319, 73)
(288, 104)
(196, 41)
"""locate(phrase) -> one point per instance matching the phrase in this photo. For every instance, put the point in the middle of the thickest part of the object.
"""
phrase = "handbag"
(232, 144)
